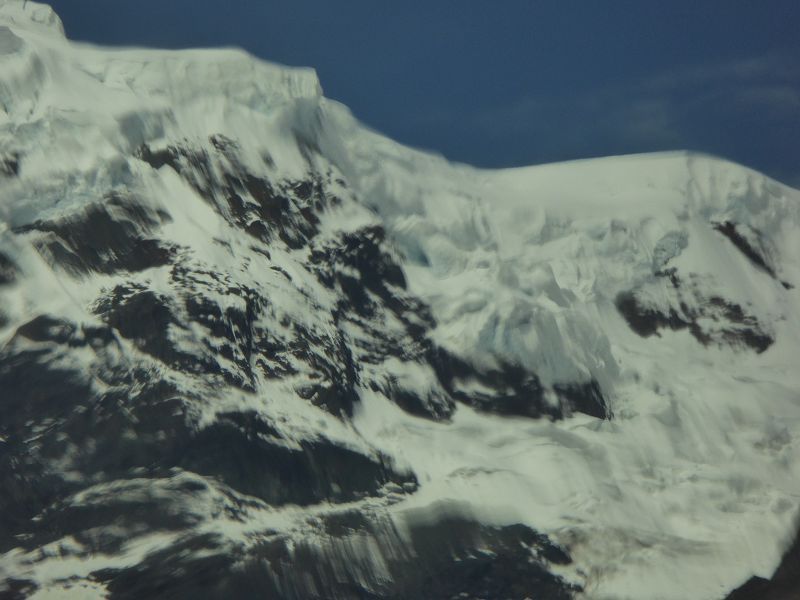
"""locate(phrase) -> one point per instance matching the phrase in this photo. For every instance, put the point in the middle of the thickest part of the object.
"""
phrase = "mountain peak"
(30, 15)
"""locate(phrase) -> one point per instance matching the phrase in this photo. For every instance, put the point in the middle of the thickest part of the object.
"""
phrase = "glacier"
(251, 348)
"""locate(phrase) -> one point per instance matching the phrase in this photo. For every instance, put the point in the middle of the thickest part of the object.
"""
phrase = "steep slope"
(249, 348)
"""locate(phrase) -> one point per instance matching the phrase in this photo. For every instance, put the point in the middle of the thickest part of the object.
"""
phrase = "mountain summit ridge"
(250, 347)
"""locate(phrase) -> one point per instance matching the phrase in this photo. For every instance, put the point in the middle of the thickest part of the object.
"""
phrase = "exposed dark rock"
(332, 395)
(783, 585)
(452, 558)
(17, 589)
(439, 408)
(328, 356)
(34, 392)
(517, 392)
(9, 165)
(159, 158)
(725, 322)
(586, 398)
(272, 357)
(463, 559)
(344, 523)
(728, 229)
(754, 255)
(101, 444)
(256, 465)
(359, 265)
(154, 324)
(379, 275)
(373, 283)
(141, 427)
(224, 144)
(195, 568)
(233, 331)
(104, 237)
(145, 318)
(45, 328)
(245, 200)
(8, 270)
(107, 521)
(745, 328)
(54, 421)
(644, 320)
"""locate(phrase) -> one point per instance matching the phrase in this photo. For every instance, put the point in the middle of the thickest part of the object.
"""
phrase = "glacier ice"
(239, 331)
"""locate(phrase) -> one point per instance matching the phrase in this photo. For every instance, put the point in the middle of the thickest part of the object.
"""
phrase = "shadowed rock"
(105, 237)
(247, 201)
(9, 165)
(714, 321)
(8, 270)
(783, 585)
(755, 256)
(451, 558)
(515, 391)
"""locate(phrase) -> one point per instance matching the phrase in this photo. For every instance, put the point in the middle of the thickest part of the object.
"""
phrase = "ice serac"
(31, 16)
(250, 348)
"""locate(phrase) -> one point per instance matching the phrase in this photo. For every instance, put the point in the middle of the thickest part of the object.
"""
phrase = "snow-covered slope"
(249, 348)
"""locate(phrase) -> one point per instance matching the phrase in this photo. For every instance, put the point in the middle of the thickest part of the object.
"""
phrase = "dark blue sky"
(514, 82)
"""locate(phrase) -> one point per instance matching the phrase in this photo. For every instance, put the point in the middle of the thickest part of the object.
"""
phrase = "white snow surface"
(694, 484)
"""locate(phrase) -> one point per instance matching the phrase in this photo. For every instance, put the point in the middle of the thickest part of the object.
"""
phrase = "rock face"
(130, 440)
(783, 585)
(250, 349)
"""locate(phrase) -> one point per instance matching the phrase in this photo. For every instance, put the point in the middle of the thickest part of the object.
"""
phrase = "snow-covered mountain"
(251, 349)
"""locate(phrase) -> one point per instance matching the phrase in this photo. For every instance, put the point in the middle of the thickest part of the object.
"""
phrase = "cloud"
(777, 99)
(771, 68)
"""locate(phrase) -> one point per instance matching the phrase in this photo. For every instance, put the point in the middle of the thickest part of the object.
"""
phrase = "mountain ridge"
(244, 338)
